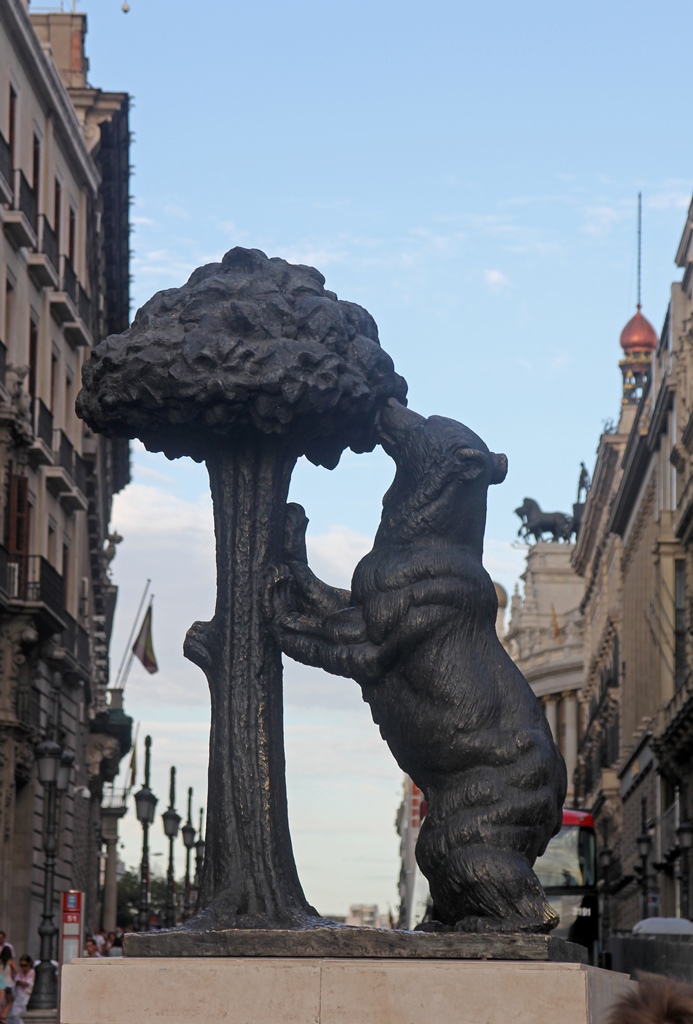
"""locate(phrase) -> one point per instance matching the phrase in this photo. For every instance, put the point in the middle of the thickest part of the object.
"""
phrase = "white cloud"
(600, 218)
(669, 198)
(334, 555)
(561, 361)
(496, 280)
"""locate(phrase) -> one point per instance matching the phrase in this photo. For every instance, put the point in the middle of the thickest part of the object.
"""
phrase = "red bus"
(568, 872)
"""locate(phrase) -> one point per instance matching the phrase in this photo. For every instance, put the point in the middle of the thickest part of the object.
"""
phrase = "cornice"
(50, 90)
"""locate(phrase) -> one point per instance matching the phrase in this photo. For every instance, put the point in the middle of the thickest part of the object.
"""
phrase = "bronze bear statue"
(418, 633)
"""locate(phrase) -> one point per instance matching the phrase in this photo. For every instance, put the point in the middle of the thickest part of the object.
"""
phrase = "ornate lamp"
(64, 773)
(171, 820)
(48, 755)
(644, 845)
(53, 765)
(606, 858)
(145, 805)
(188, 831)
(685, 834)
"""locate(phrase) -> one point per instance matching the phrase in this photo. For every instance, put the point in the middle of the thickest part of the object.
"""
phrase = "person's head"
(657, 1000)
(26, 963)
(5, 955)
(91, 947)
(111, 936)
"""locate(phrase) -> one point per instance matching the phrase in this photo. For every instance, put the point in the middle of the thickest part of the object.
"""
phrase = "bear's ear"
(500, 468)
(472, 463)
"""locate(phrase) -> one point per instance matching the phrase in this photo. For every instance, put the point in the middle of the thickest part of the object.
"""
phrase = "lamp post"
(171, 821)
(54, 769)
(685, 834)
(606, 858)
(145, 804)
(644, 845)
(199, 856)
(188, 831)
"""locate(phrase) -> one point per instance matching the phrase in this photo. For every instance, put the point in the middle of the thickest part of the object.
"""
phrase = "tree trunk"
(249, 877)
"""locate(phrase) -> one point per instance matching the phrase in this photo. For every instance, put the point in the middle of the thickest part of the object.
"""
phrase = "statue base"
(344, 941)
(302, 990)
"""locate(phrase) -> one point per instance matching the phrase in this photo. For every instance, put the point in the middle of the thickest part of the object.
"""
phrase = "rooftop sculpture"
(249, 365)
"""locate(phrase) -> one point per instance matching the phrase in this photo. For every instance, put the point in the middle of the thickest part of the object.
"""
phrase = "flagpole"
(133, 761)
(132, 635)
(126, 673)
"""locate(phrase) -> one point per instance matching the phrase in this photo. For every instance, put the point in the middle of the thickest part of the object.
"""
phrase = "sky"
(467, 172)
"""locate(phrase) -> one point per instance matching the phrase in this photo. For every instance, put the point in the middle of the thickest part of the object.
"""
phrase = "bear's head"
(443, 473)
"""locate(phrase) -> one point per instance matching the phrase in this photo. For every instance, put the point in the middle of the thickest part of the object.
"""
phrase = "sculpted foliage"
(248, 344)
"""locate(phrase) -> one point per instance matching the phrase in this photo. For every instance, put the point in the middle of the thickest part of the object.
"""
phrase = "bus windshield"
(569, 860)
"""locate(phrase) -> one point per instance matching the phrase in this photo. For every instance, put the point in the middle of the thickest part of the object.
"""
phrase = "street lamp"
(644, 845)
(188, 831)
(171, 822)
(199, 857)
(145, 805)
(685, 834)
(606, 859)
(54, 766)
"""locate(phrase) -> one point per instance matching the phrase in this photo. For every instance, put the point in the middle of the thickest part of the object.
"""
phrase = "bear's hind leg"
(487, 889)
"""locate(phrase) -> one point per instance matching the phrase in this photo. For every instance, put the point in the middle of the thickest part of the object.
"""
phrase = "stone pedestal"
(245, 990)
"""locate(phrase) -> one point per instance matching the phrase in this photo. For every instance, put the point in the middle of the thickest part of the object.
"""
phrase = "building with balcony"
(634, 554)
(64, 284)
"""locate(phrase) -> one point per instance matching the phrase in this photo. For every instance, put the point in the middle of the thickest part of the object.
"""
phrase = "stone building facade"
(544, 639)
(63, 285)
(634, 555)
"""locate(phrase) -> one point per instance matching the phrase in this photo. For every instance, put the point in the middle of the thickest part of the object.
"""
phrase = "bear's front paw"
(279, 600)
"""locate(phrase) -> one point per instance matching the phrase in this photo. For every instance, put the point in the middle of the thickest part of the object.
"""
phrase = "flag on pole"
(143, 647)
(133, 759)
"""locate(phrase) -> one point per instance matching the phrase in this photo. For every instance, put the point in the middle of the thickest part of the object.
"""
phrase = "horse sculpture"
(536, 523)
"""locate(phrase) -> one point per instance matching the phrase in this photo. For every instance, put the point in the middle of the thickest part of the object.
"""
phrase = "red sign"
(71, 926)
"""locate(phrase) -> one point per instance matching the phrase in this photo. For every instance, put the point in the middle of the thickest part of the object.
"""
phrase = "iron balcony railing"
(81, 473)
(82, 646)
(4, 561)
(32, 578)
(43, 423)
(114, 799)
(28, 704)
(64, 450)
(84, 304)
(68, 279)
(48, 243)
(76, 640)
(5, 160)
(25, 198)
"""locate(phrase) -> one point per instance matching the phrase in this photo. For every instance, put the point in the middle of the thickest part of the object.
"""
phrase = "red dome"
(639, 335)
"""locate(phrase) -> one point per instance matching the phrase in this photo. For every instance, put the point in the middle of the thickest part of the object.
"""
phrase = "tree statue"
(249, 365)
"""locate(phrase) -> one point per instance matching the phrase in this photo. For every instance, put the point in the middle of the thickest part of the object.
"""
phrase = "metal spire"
(639, 247)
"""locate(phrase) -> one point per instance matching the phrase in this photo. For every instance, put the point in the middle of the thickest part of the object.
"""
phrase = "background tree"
(249, 365)
(129, 892)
